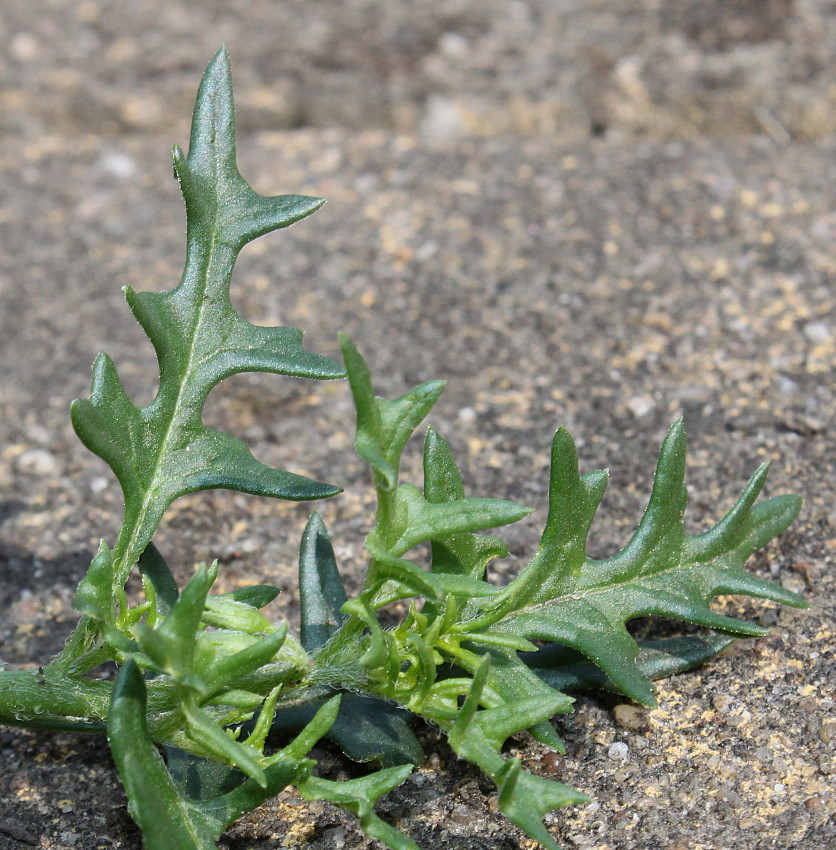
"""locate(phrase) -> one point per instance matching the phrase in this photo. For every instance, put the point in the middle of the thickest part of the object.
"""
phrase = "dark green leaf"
(200, 778)
(321, 592)
(567, 670)
(166, 819)
(367, 729)
(256, 595)
(152, 566)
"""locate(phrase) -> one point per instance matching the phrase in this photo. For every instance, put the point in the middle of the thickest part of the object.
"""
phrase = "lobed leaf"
(456, 553)
(478, 736)
(383, 425)
(584, 604)
(162, 451)
(359, 796)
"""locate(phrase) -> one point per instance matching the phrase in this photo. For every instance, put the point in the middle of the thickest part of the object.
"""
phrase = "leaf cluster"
(210, 691)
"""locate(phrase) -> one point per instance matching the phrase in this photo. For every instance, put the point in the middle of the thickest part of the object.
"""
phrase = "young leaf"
(359, 796)
(584, 604)
(171, 645)
(219, 744)
(420, 520)
(96, 598)
(462, 553)
(168, 820)
(255, 595)
(164, 450)
(321, 592)
(384, 426)
(478, 735)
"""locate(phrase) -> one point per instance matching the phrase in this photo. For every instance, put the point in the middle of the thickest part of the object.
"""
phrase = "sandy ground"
(603, 215)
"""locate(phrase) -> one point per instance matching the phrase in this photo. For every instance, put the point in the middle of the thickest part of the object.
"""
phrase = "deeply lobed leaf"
(162, 451)
(566, 598)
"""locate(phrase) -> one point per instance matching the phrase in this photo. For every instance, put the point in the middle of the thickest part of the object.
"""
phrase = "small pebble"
(630, 717)
(99, 483)
(619, 751)
(827, 730)
(640, 405)
(334, 837)
(552, 762)
(38, 462)
(817, 332)
(721, 703)
(462, 815)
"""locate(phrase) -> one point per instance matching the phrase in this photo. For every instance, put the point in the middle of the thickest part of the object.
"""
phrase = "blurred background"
(576, 68)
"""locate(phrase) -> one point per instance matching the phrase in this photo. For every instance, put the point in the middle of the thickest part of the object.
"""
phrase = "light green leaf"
(96, 598)
(358, 796)
(460, 554)
(219, 744)
(420, 520)
(478, 735)
(171, 645)
(384, 426)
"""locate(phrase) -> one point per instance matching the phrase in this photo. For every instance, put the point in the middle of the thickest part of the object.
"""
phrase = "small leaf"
(228, 667)
(315, 729)
(423, 521)
(224, 612)
(256, 595)
(321, 592)
(96, 599)
(384, 426)
(523, 798)
(359, 796)
(462, 554)
(367, 729)
(171, 645)
(219, 744)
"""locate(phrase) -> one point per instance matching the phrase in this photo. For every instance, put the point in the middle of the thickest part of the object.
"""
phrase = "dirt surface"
(597, 214)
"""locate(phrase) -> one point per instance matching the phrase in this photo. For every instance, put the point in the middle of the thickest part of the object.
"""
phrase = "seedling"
(205, 680)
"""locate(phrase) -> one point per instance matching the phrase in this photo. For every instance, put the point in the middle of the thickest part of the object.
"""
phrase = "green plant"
(207, 678)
